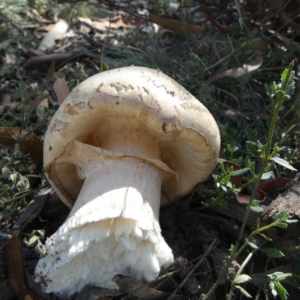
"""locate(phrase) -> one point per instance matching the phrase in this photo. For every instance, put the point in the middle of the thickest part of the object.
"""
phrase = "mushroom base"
(112, 229)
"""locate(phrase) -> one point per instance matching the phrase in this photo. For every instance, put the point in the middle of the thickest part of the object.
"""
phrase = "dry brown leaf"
(286, 19)
(32, 145)
(33, 210)
(258, 44)
(55, 33)
(237, 72)
(9, 59)
(14, 267)
(222, 28)
(61, 89)
(282, 38)
(4, 238)
(102, 26)
(9, 100)
(35, 103)
(273, 184)
(138, 288)
(176, 25)
(244, 198)
(40, 108)
(47, 58)
(236, 180)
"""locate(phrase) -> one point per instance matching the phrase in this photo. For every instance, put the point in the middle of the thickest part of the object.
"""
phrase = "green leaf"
(244, 292)
(284, 75)
(257, 209)
(281, 290)
(255, 202)
(283, 163)
(253, 246)
(273, 289)
(265, 237)
(281, 225)
(272, 252)
(282, 216)
(291, 221)
(224, 188)
(225, 179)
(277, 276)
(240, 172)
(254, 148)
(297, 268)
(267, 175)
(241, 278)
(287, 79)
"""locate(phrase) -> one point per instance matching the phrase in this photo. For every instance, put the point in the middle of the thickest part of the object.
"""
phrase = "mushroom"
(123, 143)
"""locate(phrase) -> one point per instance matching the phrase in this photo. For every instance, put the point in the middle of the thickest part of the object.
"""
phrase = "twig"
(202, 257)
(104, 45)
(225, 57)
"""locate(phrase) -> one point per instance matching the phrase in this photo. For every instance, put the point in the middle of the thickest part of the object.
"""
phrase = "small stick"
(103, 48)
(202, 257)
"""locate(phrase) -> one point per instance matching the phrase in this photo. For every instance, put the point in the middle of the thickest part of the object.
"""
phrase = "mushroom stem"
(115, 219)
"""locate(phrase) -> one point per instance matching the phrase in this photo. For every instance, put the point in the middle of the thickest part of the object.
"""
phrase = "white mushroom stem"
(113, 228)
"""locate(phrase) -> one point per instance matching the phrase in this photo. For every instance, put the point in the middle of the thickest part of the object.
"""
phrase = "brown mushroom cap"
(187, 135)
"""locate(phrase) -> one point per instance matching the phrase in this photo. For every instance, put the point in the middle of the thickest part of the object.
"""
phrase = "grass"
(246, 111)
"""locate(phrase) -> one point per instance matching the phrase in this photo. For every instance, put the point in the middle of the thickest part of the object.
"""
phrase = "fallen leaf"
(9, 59)
(245, 198)
(35, 287)
(102, 26)
(286, 19)
(138, 288)
(32, 210)
(273, 184)
(51, 69)
(40, 108)
(175, 25)
(242, 198)
(61, 89)
(14, 268)
(59, 58)
(32, 145)
(222, 28)
(9, 100)
(37, 104)
(55, 33)
(235, 180)
(4, 238)
(237, 72)
(96, 292)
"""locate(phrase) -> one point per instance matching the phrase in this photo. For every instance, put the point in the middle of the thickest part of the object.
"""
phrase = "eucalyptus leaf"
(284, 163)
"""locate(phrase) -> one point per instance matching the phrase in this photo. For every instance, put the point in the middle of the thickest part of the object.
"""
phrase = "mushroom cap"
(187, 134)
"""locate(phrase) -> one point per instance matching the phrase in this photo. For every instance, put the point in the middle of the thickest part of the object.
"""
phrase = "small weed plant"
(269, 154)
